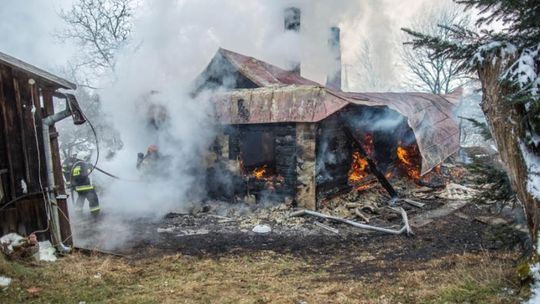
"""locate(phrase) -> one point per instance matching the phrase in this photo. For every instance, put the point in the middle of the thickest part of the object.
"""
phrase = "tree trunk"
(506, 121)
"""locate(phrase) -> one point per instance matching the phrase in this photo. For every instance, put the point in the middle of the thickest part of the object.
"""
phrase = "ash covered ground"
(449, 222)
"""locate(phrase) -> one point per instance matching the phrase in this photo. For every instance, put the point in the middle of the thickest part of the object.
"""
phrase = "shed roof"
(35, 71)
(262, 73)
(284, 96)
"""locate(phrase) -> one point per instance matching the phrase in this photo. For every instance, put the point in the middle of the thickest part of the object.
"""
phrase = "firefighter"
(80, 181)
(66, 168)
(149, 163)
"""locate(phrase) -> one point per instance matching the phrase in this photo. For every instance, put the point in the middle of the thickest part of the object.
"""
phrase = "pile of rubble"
(371, 209)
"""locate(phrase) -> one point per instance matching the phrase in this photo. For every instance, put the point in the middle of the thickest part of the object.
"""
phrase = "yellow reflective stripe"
(76, 171)
(83, 188)
(94, 209)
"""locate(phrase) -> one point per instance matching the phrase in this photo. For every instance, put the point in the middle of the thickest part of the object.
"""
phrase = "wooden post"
(22, 125)
(306, 187)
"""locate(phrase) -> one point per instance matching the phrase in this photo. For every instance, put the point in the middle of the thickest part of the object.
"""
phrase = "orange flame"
(403, 156)
(259, 173)
(407, 158)
(358, 168)
(363, 187)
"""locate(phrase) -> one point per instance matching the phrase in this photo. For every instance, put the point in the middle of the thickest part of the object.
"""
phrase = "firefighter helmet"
(152, 149)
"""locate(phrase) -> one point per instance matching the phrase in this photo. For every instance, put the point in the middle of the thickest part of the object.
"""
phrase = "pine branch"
(483, 127)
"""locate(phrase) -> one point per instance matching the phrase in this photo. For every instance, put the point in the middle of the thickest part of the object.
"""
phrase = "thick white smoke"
(172, 43)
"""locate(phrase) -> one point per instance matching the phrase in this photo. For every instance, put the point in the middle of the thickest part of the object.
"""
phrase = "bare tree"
(100, 28)
(367, 75)
(438, 75)
(81, 139)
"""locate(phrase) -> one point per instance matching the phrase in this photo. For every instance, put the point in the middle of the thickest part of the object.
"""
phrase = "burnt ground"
(380, 255)
(451, 222)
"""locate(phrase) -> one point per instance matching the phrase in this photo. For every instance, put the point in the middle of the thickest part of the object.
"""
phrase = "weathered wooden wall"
(22, 162)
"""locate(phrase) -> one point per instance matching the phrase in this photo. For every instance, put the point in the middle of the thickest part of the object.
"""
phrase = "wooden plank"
(8, 221)
(33, 158)
(4, 160)
(65, 228)
(36, 97)
(32, 216)
(22, 128)
(13, 142)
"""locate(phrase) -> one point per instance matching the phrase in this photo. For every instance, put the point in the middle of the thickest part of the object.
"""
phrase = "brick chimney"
(333, 79)
(291, 22)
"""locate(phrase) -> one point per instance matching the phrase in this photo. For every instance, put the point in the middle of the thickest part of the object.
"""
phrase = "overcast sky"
(27, 28)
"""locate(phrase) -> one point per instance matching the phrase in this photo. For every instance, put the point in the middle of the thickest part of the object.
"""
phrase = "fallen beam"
(372, 166)
(405, 229)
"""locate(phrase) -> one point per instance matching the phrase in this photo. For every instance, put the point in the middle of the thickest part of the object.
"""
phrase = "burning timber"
(285, 137)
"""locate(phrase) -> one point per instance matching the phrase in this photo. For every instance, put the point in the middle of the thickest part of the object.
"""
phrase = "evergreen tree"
(506, 58)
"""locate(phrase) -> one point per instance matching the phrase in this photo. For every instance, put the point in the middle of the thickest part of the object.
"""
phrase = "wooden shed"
(26, 96)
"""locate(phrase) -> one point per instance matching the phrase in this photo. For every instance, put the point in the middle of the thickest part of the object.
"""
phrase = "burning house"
(293, 138)
(32, 194)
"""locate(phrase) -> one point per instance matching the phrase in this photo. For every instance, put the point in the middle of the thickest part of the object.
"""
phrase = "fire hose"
(117, 177)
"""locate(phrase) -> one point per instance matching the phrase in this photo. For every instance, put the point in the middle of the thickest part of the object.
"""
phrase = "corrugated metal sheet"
(429, 116)
(287, 97)
(277, 104)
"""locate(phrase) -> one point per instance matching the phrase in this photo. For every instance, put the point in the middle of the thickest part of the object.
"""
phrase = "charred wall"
(334, 151)
(379, 130)
(250, 147)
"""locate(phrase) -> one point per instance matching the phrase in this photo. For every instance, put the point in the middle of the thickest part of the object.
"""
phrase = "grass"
(262, 277)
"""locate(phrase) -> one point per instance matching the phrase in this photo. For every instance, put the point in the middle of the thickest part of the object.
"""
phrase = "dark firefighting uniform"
(85, 190)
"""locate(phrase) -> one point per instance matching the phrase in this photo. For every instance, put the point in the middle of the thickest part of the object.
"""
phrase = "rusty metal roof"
(284, 96)
(262, 73)
(292, 103)
(35, 72)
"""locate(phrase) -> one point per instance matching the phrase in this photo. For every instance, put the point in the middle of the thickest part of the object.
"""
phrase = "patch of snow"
(11, 239)
(193, 232)
(534, 139)
(505, 49)
(533, 165)
(261, 229)
(524, 71)
(46, 252)
(4, 281)
(535, 288)
(165, 230)
(538, 246)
